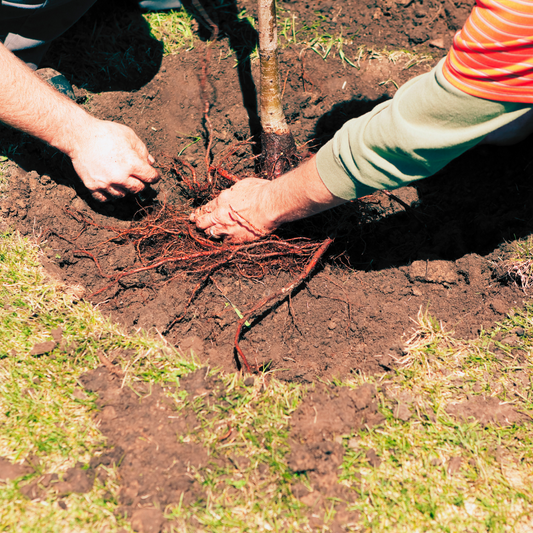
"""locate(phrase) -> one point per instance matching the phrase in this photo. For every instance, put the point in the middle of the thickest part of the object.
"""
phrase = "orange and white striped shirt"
(492, 55)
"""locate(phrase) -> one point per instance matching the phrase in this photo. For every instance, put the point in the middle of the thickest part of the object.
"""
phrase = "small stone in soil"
(372, 458)
(454, 465)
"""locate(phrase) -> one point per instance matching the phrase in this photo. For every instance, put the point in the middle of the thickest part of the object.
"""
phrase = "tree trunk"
(277, 142)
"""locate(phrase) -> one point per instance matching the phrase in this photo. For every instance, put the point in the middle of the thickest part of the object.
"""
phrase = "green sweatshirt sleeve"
(426, 125)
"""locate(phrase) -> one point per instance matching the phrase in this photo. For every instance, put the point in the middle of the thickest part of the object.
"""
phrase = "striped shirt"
(492, 55)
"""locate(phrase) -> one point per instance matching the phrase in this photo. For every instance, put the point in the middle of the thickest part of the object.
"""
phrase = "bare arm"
(108, 157)
(254, 207)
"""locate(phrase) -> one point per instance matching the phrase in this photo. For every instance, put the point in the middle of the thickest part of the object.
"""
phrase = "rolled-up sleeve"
(426, 125)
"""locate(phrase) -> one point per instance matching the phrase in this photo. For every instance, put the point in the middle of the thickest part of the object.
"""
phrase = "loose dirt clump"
(9, 470)
(142, 428)
(324, 414)
(487, 411)
(78, 479)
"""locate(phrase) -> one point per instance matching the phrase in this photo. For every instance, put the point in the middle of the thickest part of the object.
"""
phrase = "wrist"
(300, 193)
(73, 133)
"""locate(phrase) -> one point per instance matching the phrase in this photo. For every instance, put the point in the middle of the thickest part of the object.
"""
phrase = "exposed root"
(166, 238)
(218, 177)
(248, 225)
(280, 294)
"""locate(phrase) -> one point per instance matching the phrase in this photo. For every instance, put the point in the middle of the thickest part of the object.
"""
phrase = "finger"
(116, 191)
(241, 234)
(202, 211)
(214, 233)
(132, 185)
(238, 239)
(145, 172)
(99, 197)
(205, 220)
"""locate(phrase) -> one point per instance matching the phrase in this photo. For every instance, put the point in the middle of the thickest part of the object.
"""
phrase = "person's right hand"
(244, 212)
(253, 207)
(111, 160)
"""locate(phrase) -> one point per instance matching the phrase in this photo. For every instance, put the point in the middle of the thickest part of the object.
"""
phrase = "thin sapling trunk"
(277, 142)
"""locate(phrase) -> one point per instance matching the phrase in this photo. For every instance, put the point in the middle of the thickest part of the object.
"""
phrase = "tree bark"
(277, 142)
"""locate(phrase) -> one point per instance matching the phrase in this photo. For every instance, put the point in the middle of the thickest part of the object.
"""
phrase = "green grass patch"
(415, 488)
(40, 416)
(173, 28)
(251, 491)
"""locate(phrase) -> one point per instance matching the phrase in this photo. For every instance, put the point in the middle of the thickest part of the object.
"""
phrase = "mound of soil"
(432, 246)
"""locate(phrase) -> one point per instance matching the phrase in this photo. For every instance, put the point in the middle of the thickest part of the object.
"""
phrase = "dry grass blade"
(519, 266)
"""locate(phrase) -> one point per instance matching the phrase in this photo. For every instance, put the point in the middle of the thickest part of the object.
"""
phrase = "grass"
(175, 29)
(256, 496)
(411, 490)
(4, 164)
(519, 265)
(41, 416)
(317, 37)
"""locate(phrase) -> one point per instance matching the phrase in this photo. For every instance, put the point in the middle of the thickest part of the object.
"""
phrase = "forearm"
(298, 194)
(108, 157)
(29, 104)
(425, 126)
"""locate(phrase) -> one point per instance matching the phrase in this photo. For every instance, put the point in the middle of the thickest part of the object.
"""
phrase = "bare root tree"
(278, 146)
(165, 238)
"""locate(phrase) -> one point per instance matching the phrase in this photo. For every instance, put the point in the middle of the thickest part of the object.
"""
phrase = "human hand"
(241, 213)
(253, 208)
(111, 160)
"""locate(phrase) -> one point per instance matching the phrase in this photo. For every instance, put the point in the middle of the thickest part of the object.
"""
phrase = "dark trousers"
(27, 27)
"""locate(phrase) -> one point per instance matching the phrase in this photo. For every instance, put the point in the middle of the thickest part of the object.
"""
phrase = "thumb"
(145, 172)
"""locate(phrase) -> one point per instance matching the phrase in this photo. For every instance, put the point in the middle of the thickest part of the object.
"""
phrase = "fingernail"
(151, 159)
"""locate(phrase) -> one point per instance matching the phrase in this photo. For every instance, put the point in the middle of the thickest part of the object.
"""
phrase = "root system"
(165, 240)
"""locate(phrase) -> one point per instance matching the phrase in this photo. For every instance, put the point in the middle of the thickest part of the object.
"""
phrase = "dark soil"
(434, 247)
(389, 260)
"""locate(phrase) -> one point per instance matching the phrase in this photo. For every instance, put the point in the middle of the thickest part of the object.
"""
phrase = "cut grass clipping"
(434, 472)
